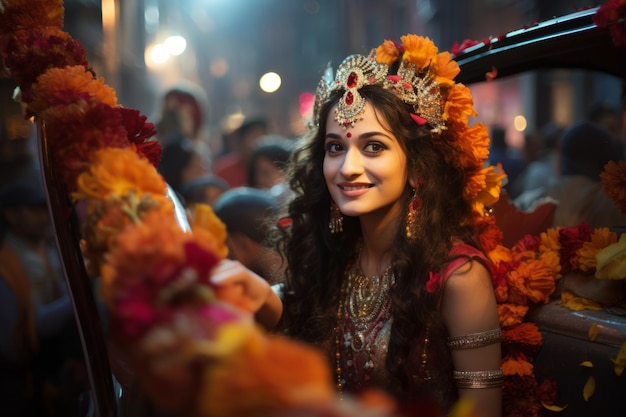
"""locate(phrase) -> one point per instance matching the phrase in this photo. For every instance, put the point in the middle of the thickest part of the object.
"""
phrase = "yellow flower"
(550, 240)
(419, 50)
(387, 53)
(611, 261)
(69, 79)
(600, 239)
(117, 171)
(490, 194)
(614, 183)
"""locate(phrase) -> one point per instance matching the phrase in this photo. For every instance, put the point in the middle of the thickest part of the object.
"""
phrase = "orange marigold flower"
(524, 333)
(264, 367)
(490, 234)
(117, 171)
(553, 261)
(446, 69)
(500, 254)
(511, 314)
(105, 219)
(502, 293)
(419, 50)
(387, 53)
(69, 79)
(614, 183)
(155, 242)
(460, 105)
(27, 14)
(533, 279)
(208, 226)
(600, 239)
(476, 182)
(516, 366)
(473, 144)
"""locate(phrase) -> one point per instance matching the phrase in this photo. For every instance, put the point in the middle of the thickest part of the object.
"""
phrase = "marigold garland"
(172, 321)
(179, 330)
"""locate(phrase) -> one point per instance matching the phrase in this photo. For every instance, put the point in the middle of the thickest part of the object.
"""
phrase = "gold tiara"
(412, 85)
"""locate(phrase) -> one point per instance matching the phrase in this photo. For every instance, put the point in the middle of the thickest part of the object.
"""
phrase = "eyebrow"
(365, 135)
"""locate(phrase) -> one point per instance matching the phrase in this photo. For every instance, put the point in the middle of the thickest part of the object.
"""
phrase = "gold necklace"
(363, 307)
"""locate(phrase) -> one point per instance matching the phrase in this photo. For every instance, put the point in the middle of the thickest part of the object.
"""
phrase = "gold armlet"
(478, 379)
(475, 340)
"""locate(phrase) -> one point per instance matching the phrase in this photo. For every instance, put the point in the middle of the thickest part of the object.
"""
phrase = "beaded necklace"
(364, 307)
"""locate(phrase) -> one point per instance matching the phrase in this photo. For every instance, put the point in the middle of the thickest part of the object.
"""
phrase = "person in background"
(18, 145)
(203, 190)
(541, 150)
(246, 212)
(182, 113)
(39, 342)
(511, 160)
(605, 114)
(233, 166)
(181, 163)
(267, 164)
(585, 148)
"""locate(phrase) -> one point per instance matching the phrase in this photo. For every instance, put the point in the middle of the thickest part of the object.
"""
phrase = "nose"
(352, 164)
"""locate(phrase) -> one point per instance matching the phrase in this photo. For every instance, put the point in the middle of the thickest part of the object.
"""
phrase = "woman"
(384, 267)
(391, 280)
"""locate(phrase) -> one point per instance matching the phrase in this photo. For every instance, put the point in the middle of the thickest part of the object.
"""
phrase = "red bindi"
(349, 134)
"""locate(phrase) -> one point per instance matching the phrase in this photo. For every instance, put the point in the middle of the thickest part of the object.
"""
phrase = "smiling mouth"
(354, 187)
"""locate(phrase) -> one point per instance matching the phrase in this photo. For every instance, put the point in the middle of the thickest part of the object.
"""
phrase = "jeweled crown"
(414, 85)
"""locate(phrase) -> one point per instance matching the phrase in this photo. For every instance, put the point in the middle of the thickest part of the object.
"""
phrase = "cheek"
(329, 169)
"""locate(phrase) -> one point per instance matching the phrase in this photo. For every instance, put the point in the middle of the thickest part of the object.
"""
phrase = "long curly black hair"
(317, 260)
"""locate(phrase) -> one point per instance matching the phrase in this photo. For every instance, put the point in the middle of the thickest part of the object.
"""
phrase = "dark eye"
(334, 147)
(374, 147)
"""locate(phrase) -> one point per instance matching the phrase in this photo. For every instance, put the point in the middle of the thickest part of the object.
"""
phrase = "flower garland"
(192, 343)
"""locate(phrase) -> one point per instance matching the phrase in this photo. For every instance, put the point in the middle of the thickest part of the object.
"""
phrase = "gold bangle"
(475, 340)
(478, 379)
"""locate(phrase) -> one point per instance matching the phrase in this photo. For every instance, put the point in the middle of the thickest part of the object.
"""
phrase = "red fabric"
(231, 168)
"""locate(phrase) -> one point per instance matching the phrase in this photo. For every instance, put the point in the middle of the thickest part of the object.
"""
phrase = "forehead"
(371, 120)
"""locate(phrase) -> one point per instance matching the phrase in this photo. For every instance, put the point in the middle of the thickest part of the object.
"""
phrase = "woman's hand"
(241, 287)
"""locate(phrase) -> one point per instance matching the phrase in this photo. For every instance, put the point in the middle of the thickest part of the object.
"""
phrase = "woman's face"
(267, 174)
(364, 166)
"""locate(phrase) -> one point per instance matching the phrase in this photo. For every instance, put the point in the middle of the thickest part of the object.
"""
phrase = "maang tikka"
(336, 219)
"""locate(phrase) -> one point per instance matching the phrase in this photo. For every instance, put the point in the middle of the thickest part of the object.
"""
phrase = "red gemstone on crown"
(352, 79)
(349, 99)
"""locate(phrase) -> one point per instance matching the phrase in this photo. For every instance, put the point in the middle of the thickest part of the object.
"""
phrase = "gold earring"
(415, 204)
(336, 219)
